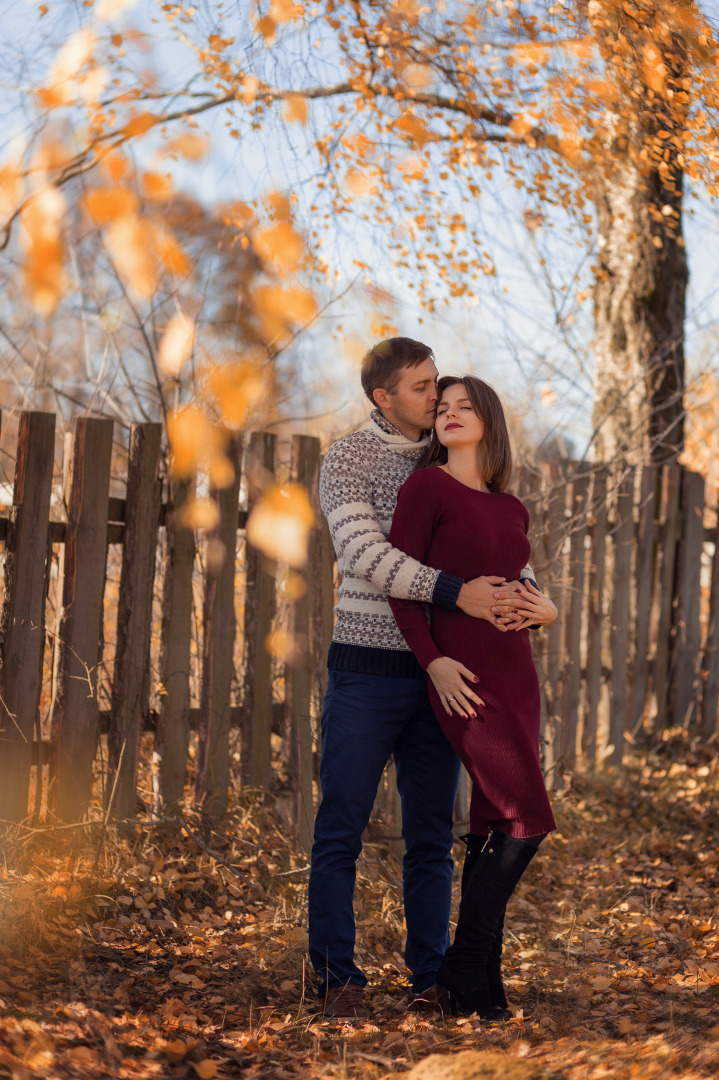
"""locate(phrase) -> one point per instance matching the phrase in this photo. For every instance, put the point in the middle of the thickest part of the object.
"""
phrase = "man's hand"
(449, 677)
(477, 598)
(531, 608)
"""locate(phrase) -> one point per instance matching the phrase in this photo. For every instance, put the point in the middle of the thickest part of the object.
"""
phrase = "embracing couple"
(433, 553)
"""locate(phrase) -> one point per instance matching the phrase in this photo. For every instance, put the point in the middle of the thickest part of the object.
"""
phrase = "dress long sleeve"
(413, 524)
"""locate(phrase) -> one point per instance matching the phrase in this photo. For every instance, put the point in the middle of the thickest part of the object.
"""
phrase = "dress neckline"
(466, 487)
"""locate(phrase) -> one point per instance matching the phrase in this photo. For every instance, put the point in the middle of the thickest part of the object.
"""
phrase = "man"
(377, 705)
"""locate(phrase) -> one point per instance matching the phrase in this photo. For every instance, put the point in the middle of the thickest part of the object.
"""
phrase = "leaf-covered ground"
(163, 954)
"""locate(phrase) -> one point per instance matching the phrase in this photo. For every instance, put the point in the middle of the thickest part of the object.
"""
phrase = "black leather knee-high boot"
(494, 877)
(475, 842)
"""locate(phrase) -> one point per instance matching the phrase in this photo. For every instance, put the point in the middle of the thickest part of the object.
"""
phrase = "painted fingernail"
(476, 678)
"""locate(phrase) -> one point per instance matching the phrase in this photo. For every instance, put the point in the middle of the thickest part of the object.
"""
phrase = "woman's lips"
(451, 427)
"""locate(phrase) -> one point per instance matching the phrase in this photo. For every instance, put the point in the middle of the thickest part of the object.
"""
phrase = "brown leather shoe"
(434, 1001)
(346, 1001)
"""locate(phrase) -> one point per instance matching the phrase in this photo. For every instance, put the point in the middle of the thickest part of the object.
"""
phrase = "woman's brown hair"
(495, 451)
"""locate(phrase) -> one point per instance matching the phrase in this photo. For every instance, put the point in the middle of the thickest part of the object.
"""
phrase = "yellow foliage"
(106, 204)
(41, 222)
(191, 436)
(109, 9)
(156, 185)
(139, 124)
(295, 109)
(130, 242)
(176, 345)
(280, 244)
(191, 145)
(280, 309)
(280, 523)
(237, 387)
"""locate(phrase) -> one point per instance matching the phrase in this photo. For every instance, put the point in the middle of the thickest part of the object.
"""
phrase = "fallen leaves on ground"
(157, 959)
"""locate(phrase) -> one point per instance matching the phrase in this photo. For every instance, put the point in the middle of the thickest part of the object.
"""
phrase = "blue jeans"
(367, 719)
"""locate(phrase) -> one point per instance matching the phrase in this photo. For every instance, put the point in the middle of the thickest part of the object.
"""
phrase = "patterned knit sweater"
(359, 483)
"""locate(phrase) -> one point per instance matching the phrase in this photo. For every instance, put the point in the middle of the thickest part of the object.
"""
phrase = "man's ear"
(381, 397)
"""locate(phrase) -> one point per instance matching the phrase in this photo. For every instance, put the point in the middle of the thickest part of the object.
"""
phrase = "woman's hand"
(532, 608)
(447, 676)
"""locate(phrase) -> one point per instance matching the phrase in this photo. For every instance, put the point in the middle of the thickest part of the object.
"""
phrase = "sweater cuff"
(446, 591)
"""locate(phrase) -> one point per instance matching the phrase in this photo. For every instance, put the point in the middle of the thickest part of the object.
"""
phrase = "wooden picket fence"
(130, 650)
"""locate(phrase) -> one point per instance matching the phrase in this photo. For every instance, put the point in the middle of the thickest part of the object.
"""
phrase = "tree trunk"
(639, 303)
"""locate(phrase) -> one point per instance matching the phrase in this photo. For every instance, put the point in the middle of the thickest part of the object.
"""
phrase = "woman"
(454, 513)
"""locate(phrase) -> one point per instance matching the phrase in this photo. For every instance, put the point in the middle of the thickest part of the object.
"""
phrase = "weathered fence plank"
(622, 537)
(663, 657)
(79, 636)
(22, 623)
(213, 755)
(298, 678)
(260, 607)
(555, 495)
(644, 575)
(710, 657)
(131, 678)
(687, 644)
(572, 673)
(595, 616)
(173, 734)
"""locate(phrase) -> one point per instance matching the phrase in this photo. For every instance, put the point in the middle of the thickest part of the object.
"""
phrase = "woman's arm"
(415, 520)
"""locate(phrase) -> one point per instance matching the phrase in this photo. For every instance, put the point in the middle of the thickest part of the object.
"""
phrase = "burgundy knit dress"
(451, 527)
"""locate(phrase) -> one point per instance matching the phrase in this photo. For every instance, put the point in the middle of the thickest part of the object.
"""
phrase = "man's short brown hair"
(382, 364)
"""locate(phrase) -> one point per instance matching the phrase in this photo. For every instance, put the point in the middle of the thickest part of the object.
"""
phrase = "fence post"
(260, 604)
(710, 658)
(305, 470)
(687, 644)
(555, 502)
(572, 675)
(22, 623)
(668, 538)
(595, 616)
(622, 536)
(644, 576)
(213, 756)
(173, 727)
(77, 653)
(131, 677)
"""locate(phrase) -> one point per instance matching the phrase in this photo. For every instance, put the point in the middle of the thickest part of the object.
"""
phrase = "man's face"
(412, 402)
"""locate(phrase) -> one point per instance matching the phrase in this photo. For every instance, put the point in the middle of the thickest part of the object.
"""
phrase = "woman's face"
(457, 423)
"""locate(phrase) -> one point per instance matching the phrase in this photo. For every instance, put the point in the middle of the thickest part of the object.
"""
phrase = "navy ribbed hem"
(446, 591)
(366, 661)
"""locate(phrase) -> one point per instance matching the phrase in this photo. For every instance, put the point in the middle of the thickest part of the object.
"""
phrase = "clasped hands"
(508, 605)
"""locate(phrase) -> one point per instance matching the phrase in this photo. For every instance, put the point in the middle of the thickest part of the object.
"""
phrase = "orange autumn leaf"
(281, 309)
(415, 129)
(110, 9)
(139, 124)
(281, 245)
(417, 76)
(172, 256)
(113, 163)
(280, 523)
(190, 434)
(295, 109)
(176, 345)
(10, 189)
(130, 242)
(237, 387)
(282, 11)
(190, 145)
(41, 221)
(106, 204)
(156, 185)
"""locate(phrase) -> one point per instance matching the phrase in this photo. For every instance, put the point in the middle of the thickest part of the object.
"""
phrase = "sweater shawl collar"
(393, 438)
